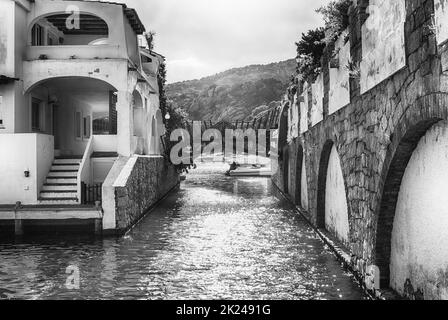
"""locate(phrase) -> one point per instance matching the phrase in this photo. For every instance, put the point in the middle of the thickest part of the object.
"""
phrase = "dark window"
(37, 35)
(86, 133)
(36, 115)
(78, 125)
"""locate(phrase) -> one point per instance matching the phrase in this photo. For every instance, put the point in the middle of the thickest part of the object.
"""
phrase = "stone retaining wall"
(375, 136)
(142, 183)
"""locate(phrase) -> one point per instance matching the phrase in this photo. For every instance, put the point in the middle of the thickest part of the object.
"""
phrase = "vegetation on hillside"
(233, 94)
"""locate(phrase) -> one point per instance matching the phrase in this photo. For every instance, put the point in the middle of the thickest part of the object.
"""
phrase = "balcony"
(67, 52)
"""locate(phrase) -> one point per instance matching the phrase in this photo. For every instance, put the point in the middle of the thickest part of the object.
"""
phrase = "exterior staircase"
(61, 187)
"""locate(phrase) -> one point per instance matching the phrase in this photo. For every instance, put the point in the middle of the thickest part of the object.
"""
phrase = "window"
(78, 126)
(86, 132)
(36, 115)
(37, 35)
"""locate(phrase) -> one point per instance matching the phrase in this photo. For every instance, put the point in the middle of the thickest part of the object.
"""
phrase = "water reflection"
(216, 238)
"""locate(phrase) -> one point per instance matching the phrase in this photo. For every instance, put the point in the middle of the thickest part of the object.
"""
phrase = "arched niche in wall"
(413, 216)
(138, 114)
(332, 208)
(299, 173)
(61, 29)
(286, 170)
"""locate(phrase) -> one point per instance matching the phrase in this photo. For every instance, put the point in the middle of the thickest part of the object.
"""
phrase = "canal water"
(217, 237)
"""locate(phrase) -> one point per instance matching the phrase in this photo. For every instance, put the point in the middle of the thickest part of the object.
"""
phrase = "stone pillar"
(124, 123)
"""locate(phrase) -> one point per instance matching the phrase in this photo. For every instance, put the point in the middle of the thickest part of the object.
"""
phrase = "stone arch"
(299, 173)
(388, 205)
(286, 167)
(283, 129)
(322, 182)
(36, 72)
(332, 204)
(413, 126)
(138, 114)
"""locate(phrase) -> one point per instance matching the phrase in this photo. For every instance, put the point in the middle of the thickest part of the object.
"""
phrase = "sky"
(203, 37)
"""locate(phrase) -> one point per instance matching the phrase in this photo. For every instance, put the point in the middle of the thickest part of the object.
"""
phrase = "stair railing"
(84, 171)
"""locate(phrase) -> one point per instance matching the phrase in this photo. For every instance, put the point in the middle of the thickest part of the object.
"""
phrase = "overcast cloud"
(204, 37)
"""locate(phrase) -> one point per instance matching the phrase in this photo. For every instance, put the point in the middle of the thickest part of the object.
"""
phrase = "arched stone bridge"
(365, 154)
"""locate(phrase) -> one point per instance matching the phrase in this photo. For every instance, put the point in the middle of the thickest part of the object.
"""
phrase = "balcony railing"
(105, 51)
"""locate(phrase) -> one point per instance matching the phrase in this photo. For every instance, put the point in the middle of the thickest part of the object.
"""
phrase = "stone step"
(63, 174)
(67, 161)
(65, 167)
(59, 202)
(61, 180)
(72, 187)
(58, 195)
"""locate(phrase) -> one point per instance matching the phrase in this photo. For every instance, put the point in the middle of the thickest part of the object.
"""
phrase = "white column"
(124, 123)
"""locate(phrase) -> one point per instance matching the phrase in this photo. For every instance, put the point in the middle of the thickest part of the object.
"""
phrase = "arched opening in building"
(283, 130)
(283, 149)
(332, 209)
(157, 131)
(72, 109)
(64, 29)
(298, 180)
(413, 214)
(138, 114)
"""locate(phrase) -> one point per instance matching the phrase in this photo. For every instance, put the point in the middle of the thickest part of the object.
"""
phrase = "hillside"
(236, 94)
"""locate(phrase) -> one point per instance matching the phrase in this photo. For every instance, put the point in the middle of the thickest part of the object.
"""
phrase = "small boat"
(251, 171)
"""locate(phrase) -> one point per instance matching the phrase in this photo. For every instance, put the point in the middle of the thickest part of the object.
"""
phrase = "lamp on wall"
(52, 99)
(1, 117)
(27, 173)
(167, 116)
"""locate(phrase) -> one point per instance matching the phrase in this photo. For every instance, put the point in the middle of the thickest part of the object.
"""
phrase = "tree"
(310, 50)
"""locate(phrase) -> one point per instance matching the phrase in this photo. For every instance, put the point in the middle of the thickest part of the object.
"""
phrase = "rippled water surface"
(216, 238)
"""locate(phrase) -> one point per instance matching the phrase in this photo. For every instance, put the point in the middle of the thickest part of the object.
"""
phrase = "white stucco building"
(77, 92)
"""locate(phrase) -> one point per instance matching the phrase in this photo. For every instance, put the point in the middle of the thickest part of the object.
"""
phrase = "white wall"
(420, 232)
(317, 104)
(293, 121)
(101, 168)
(7, 43)
(19, 152)
(383, 43)
(336, 211)
(441, 17)
(7, 107)
(304, 186)
(105, 143)
(304, 113)
(44, 158)
(339, 95)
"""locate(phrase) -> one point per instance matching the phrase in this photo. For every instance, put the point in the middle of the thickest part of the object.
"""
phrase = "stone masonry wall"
(149, 181)
(375, 136)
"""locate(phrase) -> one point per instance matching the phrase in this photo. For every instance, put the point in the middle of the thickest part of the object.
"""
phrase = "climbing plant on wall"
(173, 118)
(310, 49)
(336, 18)
(312, 44)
